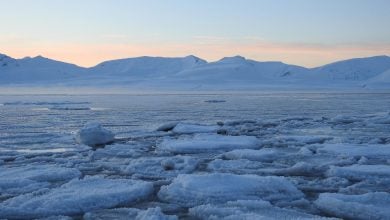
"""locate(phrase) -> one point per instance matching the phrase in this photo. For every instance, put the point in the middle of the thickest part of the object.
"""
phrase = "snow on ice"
(247, 209)
(208, 143)
(76, 197)
(189, 190)
(366, 206)
(93, 134)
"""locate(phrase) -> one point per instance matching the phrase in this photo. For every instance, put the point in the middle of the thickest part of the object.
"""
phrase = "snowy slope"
(380, 81)
(358, 69)
(141, 67)
(36, 70)
(7, 62)
(240, 69)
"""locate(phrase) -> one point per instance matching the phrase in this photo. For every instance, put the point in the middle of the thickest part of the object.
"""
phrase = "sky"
(303, 32)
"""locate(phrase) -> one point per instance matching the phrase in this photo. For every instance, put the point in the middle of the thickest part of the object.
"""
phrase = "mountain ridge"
(191, 71)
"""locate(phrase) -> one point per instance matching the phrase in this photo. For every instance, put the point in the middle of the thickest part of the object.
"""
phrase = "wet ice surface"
(256, 156)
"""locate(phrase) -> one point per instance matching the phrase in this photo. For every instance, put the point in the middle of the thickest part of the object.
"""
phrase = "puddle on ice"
(259, 156)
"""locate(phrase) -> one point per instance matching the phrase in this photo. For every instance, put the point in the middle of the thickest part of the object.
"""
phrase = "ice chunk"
(93, 134)
(319, 184)
(56, 217)
(167, 127)
(154, 214)
(208, 143)
(17, 180)
(118, 213)
(369, 151)
(161, 167)
(190, 190)
(128, 213)
(118, 151)
(367, 206)
(76, 197)
(360, 172)
(183, 128)
(301, 140)
(247, 209)
(302, 169)
(265, 154)
(344, 119)
(241, 166)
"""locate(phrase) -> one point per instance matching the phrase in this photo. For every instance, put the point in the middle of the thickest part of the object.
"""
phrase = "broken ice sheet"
(76, 197)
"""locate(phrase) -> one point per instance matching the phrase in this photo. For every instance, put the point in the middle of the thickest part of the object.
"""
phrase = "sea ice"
(350, 150)
(208, 143)
(93, 134)
(167, 127)
(240, 166)
(360, 172)
(301, 140)
(247, 209)
(344, 119)
(76, 197)
(367, 206)
(128, 213)
(17, 180)
(264, 154)
(161, 167)
(190, 190)
(117, 151)
(184, 128)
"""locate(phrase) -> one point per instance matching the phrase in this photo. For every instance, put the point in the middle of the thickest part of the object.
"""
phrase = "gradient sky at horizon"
(302, 32)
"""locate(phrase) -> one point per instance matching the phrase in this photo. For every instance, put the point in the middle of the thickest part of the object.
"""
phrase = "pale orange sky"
(302, 32)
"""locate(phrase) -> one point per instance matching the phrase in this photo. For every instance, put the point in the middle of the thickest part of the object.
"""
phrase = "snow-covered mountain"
(141, 67)
(192, 73)
(240, 69)
(36, 70)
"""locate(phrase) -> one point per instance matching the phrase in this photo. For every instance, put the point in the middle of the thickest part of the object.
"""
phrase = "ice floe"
(160, 167)
(190, 190)
(129, 213)
(18, 180)
(367, 206)
(247, 209)
(208, 143)
(167, 127)
(76, 197)
(353, 150)
(240, 166)
(360, 172)
(184, 128)
(265, 154)
(93, 134)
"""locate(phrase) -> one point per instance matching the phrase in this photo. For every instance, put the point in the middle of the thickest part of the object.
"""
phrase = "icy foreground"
(366, 206)
(282, 168)
(76, 197)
